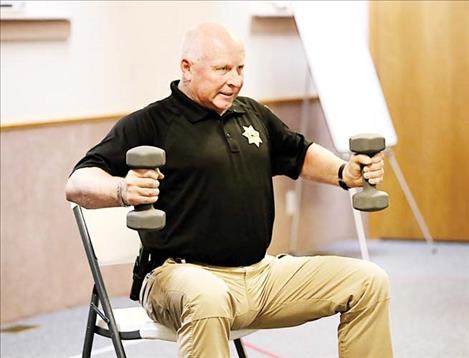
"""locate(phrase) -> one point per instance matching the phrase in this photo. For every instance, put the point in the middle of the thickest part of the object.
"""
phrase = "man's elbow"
(87, 188)
(71, 192)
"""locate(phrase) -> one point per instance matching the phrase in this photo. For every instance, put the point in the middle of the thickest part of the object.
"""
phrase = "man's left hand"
(373, 169)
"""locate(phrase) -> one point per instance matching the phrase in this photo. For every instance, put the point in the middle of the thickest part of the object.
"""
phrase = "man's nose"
(235, 78)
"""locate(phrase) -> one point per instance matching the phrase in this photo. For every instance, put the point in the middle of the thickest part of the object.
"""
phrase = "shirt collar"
(194, 112)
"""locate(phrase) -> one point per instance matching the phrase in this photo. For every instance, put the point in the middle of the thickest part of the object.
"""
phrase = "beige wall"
(121, 55)
(42, 261)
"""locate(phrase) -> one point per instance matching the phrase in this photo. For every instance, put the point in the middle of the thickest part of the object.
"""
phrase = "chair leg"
(89, 335)
(239, 348)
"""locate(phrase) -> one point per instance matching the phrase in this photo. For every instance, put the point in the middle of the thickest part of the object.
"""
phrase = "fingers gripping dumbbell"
(145, 216)
(369, 199)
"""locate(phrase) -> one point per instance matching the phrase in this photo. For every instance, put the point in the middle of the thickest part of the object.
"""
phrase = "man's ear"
(186, 69)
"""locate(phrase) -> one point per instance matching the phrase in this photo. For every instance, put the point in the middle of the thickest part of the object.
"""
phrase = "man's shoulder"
(162, 105)
(250, 104)
(247, 103)
(246, 100)
(159, 109)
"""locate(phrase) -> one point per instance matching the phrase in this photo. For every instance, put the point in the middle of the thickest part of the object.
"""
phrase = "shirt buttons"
(228, 135)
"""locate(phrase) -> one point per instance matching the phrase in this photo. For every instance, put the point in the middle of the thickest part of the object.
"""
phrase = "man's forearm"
(93, 188)
(321, 165)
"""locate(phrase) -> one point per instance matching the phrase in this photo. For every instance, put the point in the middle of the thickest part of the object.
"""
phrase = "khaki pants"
(204, 302)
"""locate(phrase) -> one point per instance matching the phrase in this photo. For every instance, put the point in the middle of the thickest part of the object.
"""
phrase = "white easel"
(350, 94)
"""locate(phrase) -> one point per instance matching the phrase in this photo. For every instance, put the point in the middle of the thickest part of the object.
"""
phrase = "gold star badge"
(252, 135)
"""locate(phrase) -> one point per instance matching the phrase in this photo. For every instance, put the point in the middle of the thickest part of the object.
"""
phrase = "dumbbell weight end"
(370, 199)
(146, 219)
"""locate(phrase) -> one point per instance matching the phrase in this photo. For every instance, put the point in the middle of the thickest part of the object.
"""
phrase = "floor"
(429, 314)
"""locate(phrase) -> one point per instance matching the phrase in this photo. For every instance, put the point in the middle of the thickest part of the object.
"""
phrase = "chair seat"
(136, 319)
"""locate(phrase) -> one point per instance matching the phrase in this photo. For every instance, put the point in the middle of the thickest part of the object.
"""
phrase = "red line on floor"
(259, 350)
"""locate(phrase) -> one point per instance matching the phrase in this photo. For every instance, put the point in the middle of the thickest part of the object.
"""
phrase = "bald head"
(206, 40)
(212, 66)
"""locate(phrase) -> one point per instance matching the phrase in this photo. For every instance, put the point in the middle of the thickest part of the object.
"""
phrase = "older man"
(212, 273)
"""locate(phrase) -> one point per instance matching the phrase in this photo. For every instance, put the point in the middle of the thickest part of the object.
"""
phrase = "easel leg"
(295, 225)
(357, 216)
(410, 199)
(305, 117)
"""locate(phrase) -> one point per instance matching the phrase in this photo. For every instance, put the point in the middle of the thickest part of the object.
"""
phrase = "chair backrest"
(113, 242)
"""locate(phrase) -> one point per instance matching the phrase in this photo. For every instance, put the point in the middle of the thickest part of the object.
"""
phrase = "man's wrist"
(121, 191)
(340, 177)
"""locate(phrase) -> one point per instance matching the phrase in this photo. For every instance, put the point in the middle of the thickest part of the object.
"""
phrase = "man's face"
(217, 78)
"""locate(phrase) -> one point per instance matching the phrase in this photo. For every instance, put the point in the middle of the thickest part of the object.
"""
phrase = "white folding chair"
(107, 241)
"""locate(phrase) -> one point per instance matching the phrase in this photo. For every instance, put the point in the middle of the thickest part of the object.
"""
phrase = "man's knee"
(376, 281)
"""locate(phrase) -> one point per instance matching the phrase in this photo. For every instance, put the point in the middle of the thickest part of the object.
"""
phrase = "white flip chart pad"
(343, 72)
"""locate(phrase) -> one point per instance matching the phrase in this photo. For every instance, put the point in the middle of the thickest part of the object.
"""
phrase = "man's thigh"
(181, 290)
(301, 289)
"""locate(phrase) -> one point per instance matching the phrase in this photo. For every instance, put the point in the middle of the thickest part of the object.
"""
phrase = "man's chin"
(222, 107)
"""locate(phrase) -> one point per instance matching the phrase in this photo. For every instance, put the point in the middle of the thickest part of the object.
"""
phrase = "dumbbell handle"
(366, 184)
(143, 207)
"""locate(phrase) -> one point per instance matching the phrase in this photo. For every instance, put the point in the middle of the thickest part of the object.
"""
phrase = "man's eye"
(222, 68)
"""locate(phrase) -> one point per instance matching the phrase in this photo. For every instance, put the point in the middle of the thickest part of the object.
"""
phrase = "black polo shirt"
(217, 192)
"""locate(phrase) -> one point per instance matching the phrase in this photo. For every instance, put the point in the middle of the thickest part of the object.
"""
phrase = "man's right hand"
(141, 186)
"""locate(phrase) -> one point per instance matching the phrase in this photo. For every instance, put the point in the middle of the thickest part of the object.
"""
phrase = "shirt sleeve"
(288, 148)
(110, 153)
